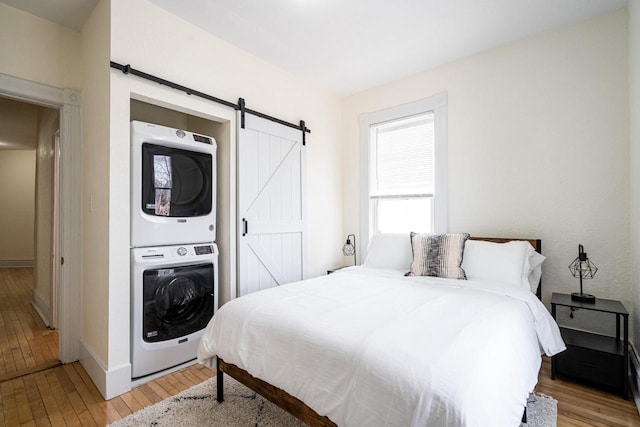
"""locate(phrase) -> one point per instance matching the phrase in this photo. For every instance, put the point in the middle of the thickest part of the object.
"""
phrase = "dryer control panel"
(203, 250)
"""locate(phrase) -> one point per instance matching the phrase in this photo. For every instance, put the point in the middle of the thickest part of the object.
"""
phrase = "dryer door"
(178, 301)
(176, 182)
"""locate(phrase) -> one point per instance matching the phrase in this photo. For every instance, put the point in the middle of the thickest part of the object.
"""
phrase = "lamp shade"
(349, 248)
(582, 268)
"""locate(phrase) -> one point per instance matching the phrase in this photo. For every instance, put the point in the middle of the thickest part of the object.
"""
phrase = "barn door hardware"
(241, 105)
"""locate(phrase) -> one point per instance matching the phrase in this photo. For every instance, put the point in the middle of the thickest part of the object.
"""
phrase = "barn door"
(271, 171)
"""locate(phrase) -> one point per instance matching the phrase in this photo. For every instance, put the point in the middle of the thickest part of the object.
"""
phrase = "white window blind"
(402, 175)
(403, 157)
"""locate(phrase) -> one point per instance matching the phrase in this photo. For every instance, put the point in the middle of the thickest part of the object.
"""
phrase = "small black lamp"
(584, 269)
(349, 248)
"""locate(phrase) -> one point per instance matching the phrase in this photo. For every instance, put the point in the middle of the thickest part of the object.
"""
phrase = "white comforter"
(369, 347)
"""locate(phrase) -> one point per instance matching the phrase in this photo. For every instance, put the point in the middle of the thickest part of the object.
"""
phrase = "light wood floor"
(580, 405)
(65, 396)
(26, 344)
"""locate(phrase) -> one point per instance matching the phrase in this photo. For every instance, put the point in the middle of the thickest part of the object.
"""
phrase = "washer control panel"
(178, 251)
(191, 250)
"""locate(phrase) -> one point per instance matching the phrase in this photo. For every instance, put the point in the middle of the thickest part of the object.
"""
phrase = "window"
(403, 169)
(401, 175)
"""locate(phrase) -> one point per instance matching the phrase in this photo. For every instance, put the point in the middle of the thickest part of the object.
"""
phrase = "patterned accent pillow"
(438, 255)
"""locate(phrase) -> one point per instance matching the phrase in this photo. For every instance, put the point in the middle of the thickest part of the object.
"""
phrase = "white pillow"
(514, 264)
(389, 251)
(535, 270)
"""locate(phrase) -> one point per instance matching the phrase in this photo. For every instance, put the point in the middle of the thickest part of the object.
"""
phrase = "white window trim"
(437, 104)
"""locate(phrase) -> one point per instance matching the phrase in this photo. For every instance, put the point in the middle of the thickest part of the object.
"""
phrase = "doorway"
(28, 225)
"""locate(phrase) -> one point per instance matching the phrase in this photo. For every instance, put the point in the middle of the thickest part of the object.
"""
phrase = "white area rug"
(197, 406)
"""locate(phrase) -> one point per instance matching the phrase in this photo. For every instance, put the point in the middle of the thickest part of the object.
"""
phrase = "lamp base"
(578, 296)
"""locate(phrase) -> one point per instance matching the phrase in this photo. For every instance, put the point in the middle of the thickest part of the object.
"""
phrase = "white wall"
(96, 260)
(538, 147)
(38, 50)
(634, 122)
(17, 187)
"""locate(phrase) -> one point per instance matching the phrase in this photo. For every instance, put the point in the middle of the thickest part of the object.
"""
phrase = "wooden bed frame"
(295, 406)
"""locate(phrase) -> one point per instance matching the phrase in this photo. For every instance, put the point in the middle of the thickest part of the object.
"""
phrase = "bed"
(371, 346)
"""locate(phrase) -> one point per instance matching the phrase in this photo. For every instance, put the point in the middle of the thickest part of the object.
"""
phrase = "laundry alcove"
(220, 130)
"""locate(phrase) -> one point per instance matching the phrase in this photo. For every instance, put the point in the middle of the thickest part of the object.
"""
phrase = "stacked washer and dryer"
(174, 257)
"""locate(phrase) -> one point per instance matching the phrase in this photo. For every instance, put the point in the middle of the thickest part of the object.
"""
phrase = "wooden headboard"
(536, 243)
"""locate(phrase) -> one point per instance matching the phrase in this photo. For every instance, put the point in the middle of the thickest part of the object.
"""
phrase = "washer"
(173, 186)
(174, 294)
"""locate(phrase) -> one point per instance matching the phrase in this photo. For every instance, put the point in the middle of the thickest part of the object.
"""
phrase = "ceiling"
(346, 46)
(69, 13)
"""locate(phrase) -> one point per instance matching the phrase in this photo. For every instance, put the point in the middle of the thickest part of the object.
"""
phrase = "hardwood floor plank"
(26, 344)
(131, 402)
(87, 392)
(158, 390)
(10, 410)
(171, 378)
(140, 397)
(50, 404)
(35, 400)
(22, 401)
(167, 386)
(86, 420)
(77, 404)
(184, 379)
(111, 413)
(150, 394)
(121, 407)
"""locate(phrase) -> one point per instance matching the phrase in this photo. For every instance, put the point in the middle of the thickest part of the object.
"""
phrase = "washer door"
(178, 301)
(175, 182)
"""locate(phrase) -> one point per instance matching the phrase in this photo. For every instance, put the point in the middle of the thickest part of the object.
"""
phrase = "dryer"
(173, 186)
(174, 294)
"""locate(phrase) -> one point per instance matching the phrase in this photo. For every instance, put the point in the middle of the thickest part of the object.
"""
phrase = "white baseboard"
(17, 263)
(41, 305)
(110, 383)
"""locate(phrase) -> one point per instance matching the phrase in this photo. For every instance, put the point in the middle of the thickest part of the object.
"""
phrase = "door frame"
(67, 101)
(55, 240)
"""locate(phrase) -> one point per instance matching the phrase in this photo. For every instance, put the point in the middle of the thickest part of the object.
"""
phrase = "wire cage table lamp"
(349, 248)
(583, 268)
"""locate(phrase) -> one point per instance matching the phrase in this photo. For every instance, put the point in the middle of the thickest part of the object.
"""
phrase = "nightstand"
(597, 359)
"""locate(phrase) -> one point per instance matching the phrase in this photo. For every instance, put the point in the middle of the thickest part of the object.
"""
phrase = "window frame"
(438, 105)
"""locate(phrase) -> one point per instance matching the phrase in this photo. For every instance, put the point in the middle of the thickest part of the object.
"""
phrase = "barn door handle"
(245, 227)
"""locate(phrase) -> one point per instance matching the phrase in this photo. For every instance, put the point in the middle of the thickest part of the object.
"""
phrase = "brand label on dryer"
(200, 138)
(152, 334)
